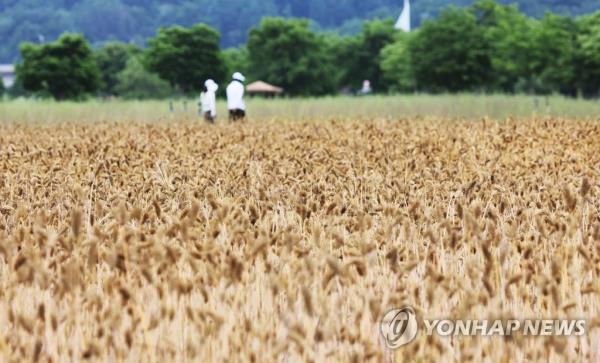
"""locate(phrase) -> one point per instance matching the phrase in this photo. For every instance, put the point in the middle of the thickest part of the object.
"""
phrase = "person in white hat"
(208, 101)
(235, 98)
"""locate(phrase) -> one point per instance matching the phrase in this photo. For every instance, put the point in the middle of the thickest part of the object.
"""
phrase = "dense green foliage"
(495, 48)
(485, 47)
(64, 69)
(364, 54)
(111, 60)
(588, 57)
(509, 35)
(186, 57)
(396, 66)
(133, 21)
(135, 82)
(451, 54)
(288, 54)
(236, 60)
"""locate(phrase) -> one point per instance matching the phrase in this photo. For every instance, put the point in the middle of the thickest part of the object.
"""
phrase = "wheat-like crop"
(288, 242)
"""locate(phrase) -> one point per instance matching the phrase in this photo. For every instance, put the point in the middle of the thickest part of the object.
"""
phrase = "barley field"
(288, 241)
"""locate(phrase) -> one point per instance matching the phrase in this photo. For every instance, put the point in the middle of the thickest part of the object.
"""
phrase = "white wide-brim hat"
(211, 85)
(239, 77)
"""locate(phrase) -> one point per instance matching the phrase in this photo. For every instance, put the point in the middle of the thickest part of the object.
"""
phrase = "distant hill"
(135, 20)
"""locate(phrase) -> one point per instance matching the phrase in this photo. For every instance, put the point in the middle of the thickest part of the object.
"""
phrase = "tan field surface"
(289, 241)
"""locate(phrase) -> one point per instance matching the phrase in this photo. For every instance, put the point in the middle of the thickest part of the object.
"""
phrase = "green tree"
(451, 53)
(186, 57)
(359, 57)
(135, 82)
(375, 36)
(2, 90)
(588, 55)
(236, 60)
(111, 59)
(343, 51)
(508, 33)
(64, 69)
(396, 65)
(288, 54)
(553, 54)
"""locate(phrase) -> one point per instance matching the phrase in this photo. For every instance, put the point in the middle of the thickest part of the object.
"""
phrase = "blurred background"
(128, 49)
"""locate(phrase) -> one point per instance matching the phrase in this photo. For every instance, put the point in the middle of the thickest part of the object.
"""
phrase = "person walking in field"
(235, 98)
(208, 101)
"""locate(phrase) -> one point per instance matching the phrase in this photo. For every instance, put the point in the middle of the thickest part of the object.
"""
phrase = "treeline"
(487, 47)
(133, 21)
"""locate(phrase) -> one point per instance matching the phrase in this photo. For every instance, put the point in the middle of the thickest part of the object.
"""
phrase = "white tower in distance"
(403, 22)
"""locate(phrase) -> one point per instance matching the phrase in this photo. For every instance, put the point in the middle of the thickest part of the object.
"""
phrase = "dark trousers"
(209, 118)
(236, 115)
